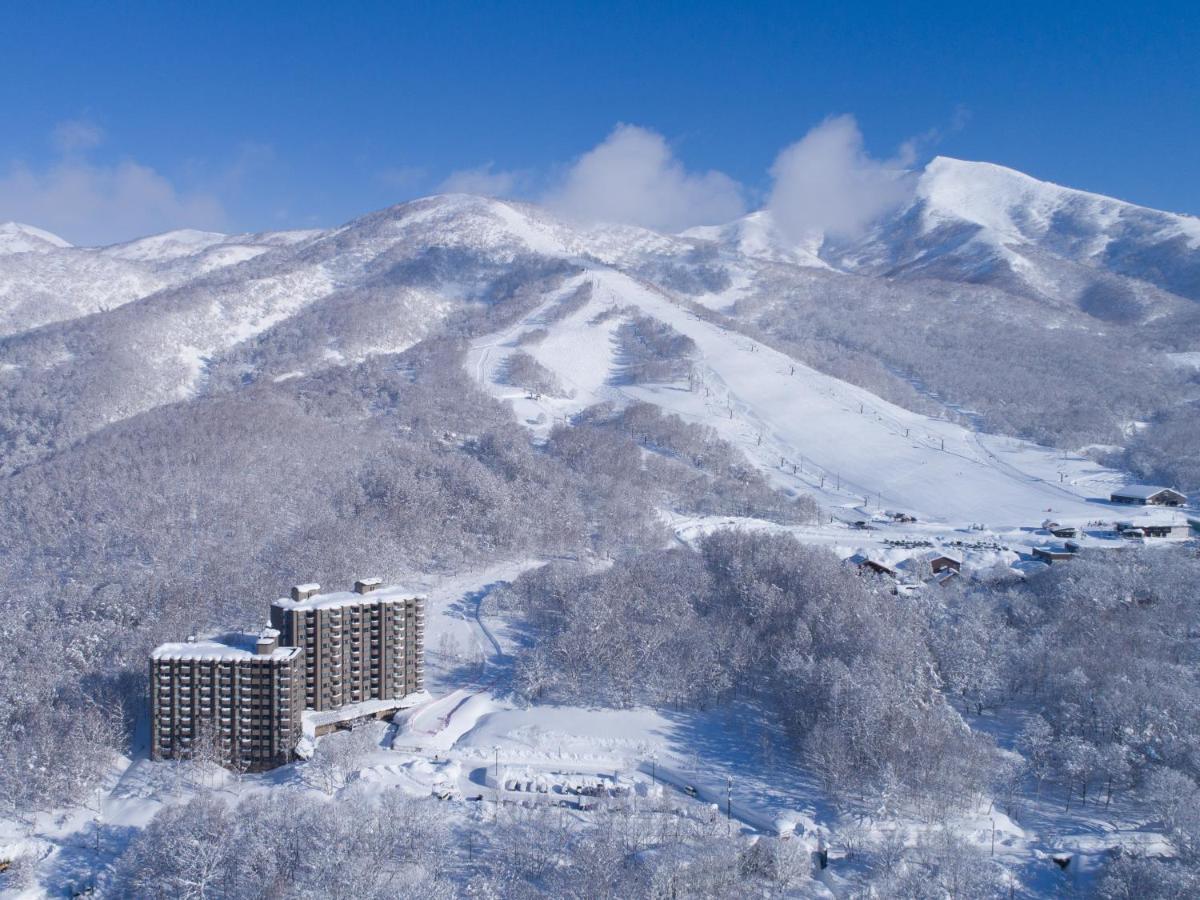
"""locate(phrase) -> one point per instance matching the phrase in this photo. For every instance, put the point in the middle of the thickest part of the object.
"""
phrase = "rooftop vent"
(267, 642)
(304, 591)
(366, 585)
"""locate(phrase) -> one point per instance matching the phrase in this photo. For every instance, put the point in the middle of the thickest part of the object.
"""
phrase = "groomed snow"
(335, 599)
(808, 432)
(227, 648)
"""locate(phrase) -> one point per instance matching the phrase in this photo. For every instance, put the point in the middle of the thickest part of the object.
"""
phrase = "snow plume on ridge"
(826, 182)
(94, 203)
(484, 180)
(633, 178)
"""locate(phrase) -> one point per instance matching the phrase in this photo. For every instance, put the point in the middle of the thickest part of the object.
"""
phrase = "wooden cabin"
(1149, 495)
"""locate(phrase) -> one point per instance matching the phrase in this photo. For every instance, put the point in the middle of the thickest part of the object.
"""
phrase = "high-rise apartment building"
(361, 645)
(237, 700)
(240, 700)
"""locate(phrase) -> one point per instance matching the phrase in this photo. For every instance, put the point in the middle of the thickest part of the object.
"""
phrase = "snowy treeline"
(688, 467)
(1100, 658)
(1168, 452)
(652, 352)
(975, 348)
(523, 371)
(846, 667)
(1097, 660)
(368, 843)
(191, 517)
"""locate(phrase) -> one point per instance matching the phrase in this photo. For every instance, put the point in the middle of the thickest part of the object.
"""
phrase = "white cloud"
(90, 203)
(404, 177)
(481, 180)
(633, 177)
(827, 182)
(77, 135)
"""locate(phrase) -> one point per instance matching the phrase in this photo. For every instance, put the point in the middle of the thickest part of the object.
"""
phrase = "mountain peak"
(988, 194)
(18, 238)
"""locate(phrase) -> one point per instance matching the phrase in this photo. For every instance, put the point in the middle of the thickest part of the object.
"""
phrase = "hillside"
(628, 469)
(910, 311)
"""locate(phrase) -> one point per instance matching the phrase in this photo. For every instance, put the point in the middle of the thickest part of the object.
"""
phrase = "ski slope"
(809, 432)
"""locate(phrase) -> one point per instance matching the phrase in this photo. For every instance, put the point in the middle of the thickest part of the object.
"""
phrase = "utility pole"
(729, 806)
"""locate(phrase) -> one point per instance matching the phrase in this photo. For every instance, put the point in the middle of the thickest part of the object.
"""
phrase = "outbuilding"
(1050, 555)
(1059, 530)
(872, 566)
(1170, 527)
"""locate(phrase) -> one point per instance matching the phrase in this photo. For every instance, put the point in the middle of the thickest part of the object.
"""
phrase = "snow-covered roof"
(1053, 549)
(935, 553)
(1144, 491)
(311, 588)
(226, 648)
(1154, 518)
(336, 599)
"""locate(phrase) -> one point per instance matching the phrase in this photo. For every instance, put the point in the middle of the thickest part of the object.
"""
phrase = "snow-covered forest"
(639, 474)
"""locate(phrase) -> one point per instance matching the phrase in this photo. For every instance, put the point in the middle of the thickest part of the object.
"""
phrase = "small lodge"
(1059, 530)
(938, 561)
(1051, 555)
(1149, 495)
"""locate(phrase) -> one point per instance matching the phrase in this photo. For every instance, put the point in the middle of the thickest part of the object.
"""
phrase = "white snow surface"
(851, 449)
(18, 238)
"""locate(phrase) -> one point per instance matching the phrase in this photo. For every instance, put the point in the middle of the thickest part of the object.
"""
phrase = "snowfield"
(857, 454)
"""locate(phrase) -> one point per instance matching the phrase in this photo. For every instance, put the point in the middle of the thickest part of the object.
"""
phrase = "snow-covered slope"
(809, 432)
(986, 223)
(111, 332)
(18, 238)
(43, 279)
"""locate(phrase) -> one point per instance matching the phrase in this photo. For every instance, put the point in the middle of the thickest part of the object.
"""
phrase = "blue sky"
(256, 116)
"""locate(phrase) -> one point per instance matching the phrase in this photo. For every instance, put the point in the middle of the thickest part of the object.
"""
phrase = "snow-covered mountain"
(101, 334)
(985, 223)
(18, 238)
(454, 390)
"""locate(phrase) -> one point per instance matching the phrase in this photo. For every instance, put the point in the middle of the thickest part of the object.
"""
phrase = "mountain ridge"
(163, 319)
